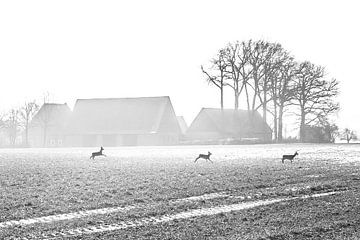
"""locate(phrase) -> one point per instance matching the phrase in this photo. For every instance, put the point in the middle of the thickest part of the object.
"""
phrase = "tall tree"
(237, 59)
(216, 74)
(331, 130)
(27, 111)
(12, 125)
(314, 95)
(286, 89)
(259, 55)
(269, 73)
(348, 135)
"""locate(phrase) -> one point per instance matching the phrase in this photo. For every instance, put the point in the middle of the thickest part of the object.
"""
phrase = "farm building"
(47, 127)
(214, 125)
(182, 124)
(123, 122)
(316, 134)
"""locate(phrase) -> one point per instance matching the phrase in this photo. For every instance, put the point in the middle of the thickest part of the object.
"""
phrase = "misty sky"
(87, 49)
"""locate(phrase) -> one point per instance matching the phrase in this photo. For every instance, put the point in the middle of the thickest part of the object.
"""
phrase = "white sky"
(86, 49)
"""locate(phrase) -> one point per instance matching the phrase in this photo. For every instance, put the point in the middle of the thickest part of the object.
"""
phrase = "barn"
(216, 125)
(123, 122)
(47, 127)
(182, 124)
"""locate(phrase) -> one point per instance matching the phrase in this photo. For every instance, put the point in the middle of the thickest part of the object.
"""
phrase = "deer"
(94, 154)
(204, 156)
(289, 157)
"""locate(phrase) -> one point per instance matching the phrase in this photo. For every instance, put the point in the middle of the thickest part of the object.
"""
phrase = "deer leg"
(196, 159)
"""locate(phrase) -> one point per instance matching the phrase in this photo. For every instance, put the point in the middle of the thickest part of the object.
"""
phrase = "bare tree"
(216, 74)
(282, 90)
(238, 69)
(2, 120)
(286, 91)
(348, 135)
(270, 80)
(27, 111)
(260, 54)
(12, 125)
(331, 130)
(314, 95)
(2, 127)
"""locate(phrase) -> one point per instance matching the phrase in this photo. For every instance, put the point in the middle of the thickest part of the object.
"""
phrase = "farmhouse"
(123, 122)
(214, 125)
(47, 127)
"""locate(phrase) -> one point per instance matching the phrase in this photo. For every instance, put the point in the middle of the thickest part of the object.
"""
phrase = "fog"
(89, 49)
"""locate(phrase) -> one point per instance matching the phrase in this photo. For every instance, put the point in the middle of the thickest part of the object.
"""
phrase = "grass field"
(160, 193)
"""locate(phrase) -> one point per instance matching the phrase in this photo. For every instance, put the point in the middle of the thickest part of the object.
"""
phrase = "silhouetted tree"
(238, 70)
(348, 135)
(216, 74)
(314, 95)
(27, 111)
(282, 90)
(331, 130)
(12, 124)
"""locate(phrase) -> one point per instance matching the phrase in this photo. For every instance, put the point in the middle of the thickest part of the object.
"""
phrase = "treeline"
(16, 122)
(265, 77)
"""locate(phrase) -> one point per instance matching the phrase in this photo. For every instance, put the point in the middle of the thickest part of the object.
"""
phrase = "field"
(160, 193)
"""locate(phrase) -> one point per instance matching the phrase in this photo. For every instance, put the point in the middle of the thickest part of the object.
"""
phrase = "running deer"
(290, 157)
(94, 154)
(204, 156)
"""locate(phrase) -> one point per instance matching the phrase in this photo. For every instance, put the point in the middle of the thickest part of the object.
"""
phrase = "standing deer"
(290, 157)
(204, 156)
(94, 154)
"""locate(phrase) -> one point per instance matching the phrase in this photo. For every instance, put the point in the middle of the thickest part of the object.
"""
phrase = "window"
(52, 142)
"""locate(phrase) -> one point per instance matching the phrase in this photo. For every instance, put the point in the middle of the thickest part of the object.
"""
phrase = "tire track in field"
(201, 212)
(102, 211)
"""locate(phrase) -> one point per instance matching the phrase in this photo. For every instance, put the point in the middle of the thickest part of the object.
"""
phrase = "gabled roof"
(228, 121)
(143, 115)
(53, 115)
(182, 124)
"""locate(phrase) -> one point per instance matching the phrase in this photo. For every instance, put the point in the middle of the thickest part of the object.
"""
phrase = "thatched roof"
(228, 121)
(143, 115)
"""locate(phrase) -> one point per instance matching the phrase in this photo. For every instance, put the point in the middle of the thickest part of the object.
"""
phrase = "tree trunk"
(280, 129)
(265, 106)
(275, 123)
(247, 98)
(26, 134)
(236, 100)
(222, 97)
(302, 125)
